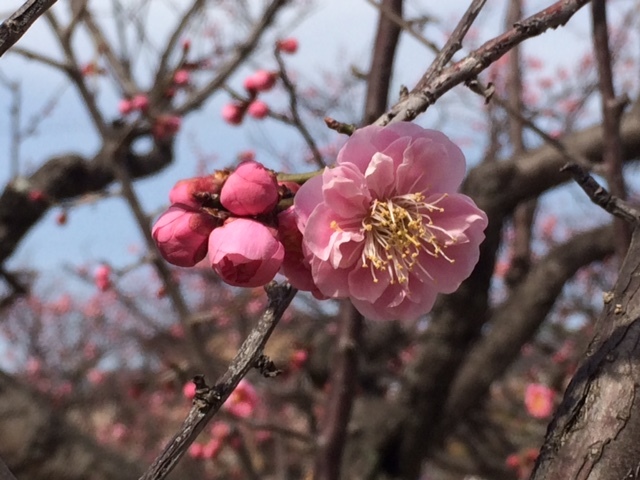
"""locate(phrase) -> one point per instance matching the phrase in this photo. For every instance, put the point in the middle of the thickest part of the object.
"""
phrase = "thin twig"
(17, 24)
(454, 42)
(295, 114)
(209, 400)
(601, 197)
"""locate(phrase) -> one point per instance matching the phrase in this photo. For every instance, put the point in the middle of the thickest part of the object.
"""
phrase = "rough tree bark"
(596, 431)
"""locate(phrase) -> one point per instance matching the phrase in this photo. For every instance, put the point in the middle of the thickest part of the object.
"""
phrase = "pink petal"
(429, 165)
(307, 199)
(345, 191)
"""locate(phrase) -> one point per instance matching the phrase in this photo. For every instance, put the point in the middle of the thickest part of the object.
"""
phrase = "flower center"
(399, 230)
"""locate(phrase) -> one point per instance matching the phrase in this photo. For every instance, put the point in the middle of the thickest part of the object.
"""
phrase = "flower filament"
(400, 229)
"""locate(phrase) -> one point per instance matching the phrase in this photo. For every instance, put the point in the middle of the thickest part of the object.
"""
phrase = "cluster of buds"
(138, 103)
(259, 81)
(229, 217)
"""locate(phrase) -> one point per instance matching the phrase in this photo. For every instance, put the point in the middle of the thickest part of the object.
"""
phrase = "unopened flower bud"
(250, 190)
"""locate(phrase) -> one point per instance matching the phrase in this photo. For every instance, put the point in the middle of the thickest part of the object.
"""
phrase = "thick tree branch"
(63, 178)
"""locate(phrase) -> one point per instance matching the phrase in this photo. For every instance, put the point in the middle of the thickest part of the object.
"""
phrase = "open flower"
(245, 253)
(386, 227)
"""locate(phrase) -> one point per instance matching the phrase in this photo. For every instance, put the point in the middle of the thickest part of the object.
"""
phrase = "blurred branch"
(343, 383)
(200, 357)
(17, 24)
(427, 91)
(516, 321)
(382, 58)
(5, 473)
(208, 400)
(612, 109)
(295, 114)
(524, 213)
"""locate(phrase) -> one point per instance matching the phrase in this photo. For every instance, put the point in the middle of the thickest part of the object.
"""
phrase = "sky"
(335, 36)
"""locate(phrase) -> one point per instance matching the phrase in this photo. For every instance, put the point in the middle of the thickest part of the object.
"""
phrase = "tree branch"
(427, 91)
(14, 27)
(208, 400)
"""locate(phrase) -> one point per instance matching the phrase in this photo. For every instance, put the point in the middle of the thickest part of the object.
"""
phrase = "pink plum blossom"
(166, 126)
(258, 109)
(287, 45)
(538, 399)
(181, 77)
(140, 102)
(245, 253)
(182, 235)
(195, 450)
(232, 113)
(386, 227)
(260, 81)
(189, 390)
(102, 277)
(125, 106)
(243, 400)
(250, 190)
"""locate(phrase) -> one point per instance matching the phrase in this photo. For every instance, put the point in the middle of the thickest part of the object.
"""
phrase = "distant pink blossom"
(189, 390)
(538, 400)
(298, 358)
(102, 277)
(233, 113)
(212, 448)
(258, 109)
(195, 451)
(386, 227)
(243, 400)
(125, 106)
(95, 376)
(245, 253)
(182, 235)
(287, 45)
(166, 126)
(181, 77)
(140, 102)
(250, 190)
(220, 430)
(260, 81)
